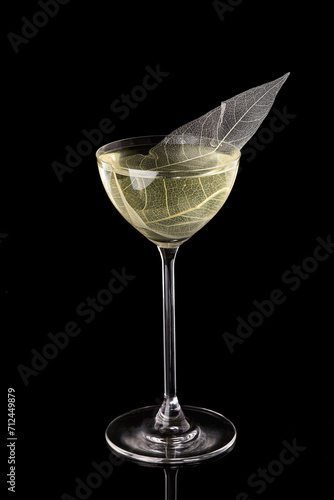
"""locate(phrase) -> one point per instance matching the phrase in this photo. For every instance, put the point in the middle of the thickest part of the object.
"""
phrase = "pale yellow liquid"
(168, 205)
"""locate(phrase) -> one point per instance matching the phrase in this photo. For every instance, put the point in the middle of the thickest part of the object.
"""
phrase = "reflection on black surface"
(171, 474)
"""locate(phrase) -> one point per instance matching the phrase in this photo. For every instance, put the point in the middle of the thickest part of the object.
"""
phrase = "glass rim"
(111, 147)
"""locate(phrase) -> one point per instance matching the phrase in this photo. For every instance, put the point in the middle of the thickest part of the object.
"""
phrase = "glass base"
(134, 435)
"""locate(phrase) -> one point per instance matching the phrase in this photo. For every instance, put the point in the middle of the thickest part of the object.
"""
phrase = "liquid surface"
(169, 204)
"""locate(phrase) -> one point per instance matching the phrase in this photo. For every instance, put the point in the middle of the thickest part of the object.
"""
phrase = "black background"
(60, 240)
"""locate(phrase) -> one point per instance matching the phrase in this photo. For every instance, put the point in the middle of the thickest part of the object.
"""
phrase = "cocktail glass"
(168, 202)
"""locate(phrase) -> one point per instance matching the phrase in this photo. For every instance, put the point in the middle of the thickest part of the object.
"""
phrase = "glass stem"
(170, 417)
(171, 484)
